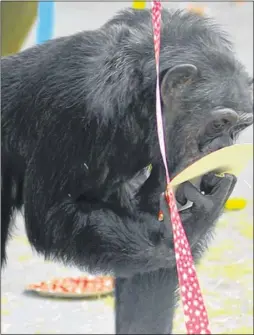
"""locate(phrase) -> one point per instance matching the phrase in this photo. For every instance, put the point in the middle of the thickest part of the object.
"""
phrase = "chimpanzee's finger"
(209, 181)
(193, 194)
(180, 196)
(224, 187)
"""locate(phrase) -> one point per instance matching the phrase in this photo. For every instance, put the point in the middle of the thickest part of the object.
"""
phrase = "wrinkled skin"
(78, 123)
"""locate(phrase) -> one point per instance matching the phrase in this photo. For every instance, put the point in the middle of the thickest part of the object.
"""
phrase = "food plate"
(78, 287)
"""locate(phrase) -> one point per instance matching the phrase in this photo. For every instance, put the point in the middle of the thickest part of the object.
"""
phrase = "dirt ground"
(226, 273)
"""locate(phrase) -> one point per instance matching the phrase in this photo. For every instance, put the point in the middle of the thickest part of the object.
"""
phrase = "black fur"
(78, 121)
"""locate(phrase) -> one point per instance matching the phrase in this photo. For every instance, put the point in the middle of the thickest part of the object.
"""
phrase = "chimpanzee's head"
(206, 92)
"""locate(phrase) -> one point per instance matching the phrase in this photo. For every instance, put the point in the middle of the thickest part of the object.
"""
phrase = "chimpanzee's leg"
(145, 303)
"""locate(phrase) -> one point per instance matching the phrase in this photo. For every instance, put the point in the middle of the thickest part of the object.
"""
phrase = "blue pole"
(45, 21)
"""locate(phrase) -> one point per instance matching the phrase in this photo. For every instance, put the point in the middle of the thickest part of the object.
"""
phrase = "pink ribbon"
(195, 314)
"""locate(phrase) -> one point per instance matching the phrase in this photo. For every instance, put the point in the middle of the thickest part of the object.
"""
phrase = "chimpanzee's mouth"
(215, 145)
(203, 151)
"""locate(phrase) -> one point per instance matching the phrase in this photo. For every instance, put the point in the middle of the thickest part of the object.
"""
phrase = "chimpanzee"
(78, 122)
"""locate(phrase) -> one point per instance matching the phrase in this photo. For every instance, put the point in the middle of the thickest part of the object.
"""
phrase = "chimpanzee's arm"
(87, 232)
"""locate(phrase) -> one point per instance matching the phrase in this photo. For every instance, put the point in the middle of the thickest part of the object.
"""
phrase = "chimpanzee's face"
(205, 113)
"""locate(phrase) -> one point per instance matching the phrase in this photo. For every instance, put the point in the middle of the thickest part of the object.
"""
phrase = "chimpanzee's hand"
(216, 189)
(206, 209)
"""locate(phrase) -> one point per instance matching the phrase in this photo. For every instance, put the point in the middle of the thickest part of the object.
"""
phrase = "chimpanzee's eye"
(219, 125)
(216, 126)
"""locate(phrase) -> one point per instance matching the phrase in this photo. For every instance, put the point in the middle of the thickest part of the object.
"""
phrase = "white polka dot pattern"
(195, 315)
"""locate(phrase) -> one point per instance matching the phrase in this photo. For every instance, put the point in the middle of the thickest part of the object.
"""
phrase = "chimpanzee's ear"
(174, 77)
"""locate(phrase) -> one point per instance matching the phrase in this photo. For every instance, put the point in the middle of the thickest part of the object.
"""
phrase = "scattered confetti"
(21, 239)
(24, 258)
(109, 301)
(139, 4)
(4, 300)
(246, 230)
(196, 9)
(235, 204)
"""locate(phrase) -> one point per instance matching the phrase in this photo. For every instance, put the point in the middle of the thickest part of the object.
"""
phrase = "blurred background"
(226, 273)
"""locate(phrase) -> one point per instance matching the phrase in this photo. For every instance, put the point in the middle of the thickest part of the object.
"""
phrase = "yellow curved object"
(232, 159)
(139, 4)
(17, 18)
